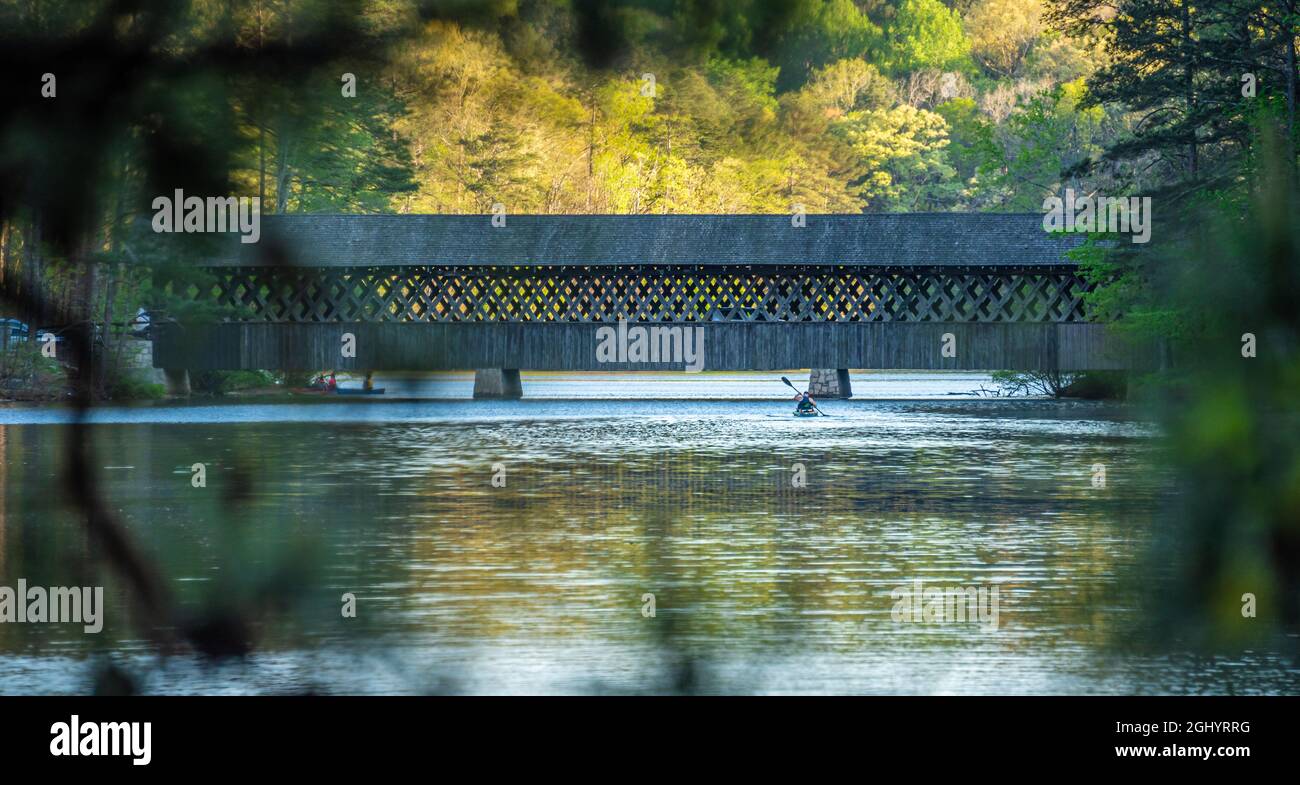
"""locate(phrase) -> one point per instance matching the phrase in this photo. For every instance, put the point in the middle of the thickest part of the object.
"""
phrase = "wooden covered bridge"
(443, 292)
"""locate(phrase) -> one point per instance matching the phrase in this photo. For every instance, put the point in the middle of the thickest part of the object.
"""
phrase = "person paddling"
(807, 406)
(324, 383)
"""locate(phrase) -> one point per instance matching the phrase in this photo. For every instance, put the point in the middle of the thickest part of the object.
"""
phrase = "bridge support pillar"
(177, 382)
(830, 383)
(498, 383)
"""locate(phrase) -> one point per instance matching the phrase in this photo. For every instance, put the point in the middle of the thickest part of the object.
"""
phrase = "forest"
(548, 106)
(637, 106)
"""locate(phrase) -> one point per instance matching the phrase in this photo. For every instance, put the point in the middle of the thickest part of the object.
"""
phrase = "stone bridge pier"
(502, 383)
(829, 383)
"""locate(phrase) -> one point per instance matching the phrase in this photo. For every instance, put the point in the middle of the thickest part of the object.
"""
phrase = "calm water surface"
(538, 586)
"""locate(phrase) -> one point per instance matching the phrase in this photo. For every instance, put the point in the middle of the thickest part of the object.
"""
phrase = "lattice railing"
(587, 294)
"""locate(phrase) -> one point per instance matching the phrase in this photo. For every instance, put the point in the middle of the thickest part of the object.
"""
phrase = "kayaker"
(806, 403)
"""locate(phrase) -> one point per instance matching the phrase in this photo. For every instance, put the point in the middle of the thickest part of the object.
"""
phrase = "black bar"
(1044, 736)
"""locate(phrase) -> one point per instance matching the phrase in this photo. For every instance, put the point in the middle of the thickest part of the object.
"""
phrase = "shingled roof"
(908, 239)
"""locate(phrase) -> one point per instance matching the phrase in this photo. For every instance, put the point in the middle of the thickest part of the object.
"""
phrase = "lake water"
(507, 547)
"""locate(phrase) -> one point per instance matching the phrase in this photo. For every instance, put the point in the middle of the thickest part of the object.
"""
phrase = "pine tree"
(1175, 66)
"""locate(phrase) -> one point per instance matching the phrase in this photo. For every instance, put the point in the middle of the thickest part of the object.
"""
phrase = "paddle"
(796, 389)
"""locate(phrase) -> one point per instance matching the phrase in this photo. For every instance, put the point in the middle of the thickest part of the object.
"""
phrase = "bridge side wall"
(728, 346)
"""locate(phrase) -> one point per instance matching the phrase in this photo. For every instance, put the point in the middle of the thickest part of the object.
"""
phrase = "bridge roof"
(904, 239)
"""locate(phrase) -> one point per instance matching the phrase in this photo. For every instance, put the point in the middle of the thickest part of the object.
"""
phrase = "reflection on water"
(538, 586)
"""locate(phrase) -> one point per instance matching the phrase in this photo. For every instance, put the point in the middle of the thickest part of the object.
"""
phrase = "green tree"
(849, 85)
(1165, 62)
(927, 34)
(818, 33)
(1003, 33)
(902, 153)
(344, 156)
(1044, 142)
(973, 153)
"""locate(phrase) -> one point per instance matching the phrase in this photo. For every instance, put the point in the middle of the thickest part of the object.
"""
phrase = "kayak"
(798, 413)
